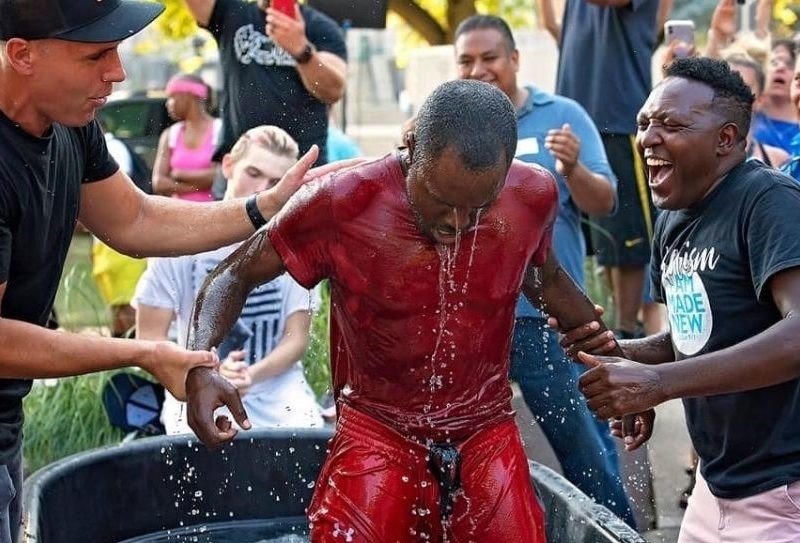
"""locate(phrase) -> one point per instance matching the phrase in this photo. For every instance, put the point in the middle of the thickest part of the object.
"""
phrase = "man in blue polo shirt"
(556, 133)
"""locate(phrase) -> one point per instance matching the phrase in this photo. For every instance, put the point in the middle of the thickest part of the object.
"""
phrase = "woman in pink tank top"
(183, 167)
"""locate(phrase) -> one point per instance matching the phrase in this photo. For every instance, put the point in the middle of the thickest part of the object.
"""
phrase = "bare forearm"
(655, 349)
(171, 227)
(553, 291)
(592, 193)
(324, 77)
(716, 43)
(226, 288)
(549, 19)
(766, 359)
(763, 17)
(217, 307)
(565, 301)
(28, 351)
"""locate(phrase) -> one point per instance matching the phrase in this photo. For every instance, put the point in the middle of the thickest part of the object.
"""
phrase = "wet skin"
(446, 197)
(257, 261)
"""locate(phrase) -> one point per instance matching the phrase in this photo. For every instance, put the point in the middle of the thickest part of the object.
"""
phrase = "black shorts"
(624, 239)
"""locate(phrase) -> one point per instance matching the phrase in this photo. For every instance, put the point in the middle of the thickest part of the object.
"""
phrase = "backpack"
(133, 404)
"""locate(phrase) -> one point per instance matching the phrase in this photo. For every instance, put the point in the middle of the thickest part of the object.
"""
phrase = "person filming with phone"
(282, 63)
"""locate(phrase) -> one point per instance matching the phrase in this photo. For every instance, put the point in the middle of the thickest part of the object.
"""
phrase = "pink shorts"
(773, 516)
(376, 487)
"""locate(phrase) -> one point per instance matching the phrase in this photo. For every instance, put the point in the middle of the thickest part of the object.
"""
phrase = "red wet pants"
(376, 487)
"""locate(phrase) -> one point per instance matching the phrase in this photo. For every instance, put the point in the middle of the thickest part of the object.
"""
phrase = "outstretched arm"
(616, 386)
(763, 18)
(722, 30)
(142, 225)
(551, 289)
(28, 351)
(217, 307)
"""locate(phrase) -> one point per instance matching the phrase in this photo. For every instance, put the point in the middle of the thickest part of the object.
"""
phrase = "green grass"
(316, 362)
(65, 417)
(78, 301)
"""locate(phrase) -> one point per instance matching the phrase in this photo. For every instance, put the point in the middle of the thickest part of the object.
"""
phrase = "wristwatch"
(308, 52)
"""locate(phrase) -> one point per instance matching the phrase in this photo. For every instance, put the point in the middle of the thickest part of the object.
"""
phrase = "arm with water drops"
(219, 303)
(553, 291)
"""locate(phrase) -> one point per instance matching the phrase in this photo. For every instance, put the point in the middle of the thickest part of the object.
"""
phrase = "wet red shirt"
(420, 333)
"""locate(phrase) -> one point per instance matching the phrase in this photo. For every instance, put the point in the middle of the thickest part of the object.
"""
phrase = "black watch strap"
(255, 216)
(308, 52)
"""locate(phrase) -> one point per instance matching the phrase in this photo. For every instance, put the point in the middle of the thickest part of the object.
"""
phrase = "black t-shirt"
(262, 85)
(711, 266)
(40, 182)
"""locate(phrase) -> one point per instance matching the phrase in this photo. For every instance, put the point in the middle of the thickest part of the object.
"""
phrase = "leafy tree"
(786, 14)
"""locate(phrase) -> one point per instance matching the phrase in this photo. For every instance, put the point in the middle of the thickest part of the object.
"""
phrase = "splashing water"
(472, 250)
(448, 256)
(231, 535)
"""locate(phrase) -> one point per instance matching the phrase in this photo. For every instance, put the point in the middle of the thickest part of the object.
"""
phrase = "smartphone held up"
(679, 36)
(284, 6)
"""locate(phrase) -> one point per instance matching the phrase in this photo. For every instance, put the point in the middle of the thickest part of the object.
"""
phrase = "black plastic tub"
(256, 489)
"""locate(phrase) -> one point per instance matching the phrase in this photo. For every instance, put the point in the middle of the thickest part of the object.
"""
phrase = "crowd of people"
(455, 263)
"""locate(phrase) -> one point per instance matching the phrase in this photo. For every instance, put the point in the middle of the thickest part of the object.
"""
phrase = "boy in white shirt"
(265, 367)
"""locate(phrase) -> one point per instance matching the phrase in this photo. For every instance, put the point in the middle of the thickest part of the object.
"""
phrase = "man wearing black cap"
(58, 62)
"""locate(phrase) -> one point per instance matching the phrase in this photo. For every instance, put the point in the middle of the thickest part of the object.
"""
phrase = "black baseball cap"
(93, 21)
